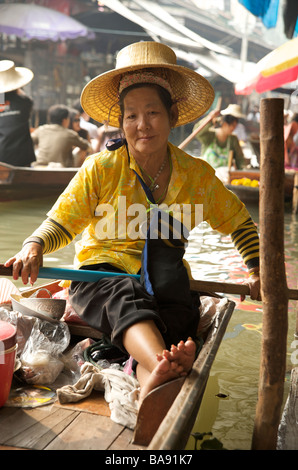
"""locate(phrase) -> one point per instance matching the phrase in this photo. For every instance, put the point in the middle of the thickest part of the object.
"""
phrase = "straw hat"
(11, 77)
(233, 110)
(192, 92)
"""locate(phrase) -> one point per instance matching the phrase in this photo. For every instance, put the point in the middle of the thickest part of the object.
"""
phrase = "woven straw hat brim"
(15, 78)
(194, 94)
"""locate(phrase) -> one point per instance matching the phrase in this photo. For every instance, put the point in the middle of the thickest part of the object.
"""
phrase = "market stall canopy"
(261, 84)
(276, 69)
(29, 21)
(161, 24)
(282, 58)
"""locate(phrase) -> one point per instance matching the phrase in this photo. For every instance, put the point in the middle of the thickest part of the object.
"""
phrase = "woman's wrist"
(254, 271)
(34, 240)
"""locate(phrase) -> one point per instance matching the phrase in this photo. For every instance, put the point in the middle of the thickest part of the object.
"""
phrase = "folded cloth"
(121, 392)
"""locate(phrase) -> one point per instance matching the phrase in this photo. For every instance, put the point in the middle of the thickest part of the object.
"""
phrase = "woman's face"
(229, 128)
(232, 127)
(76, 123)
(146, 123)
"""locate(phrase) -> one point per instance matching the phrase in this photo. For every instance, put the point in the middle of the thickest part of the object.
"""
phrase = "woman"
(74, 124)
(79, 155)
(217, 143)
(146, 95)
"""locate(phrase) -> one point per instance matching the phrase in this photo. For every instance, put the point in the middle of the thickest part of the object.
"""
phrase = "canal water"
(228, 407)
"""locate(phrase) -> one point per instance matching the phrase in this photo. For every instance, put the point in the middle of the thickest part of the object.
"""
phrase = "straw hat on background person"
(12, 78)
(192, 93)
(233, 110)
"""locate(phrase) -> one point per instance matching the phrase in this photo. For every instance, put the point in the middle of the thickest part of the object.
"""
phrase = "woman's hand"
(254, 284)
(214, 115)
(26, 263)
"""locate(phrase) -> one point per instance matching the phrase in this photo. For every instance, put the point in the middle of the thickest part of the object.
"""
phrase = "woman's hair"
(163, 94)
(57, 113)
(73, 114)
(229, 119)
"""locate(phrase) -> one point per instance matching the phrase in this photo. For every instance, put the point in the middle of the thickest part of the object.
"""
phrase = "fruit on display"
(245, 182)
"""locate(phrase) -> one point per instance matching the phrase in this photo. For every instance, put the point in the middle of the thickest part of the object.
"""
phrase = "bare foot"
(171, 365)
(164, 371)
(183, 354)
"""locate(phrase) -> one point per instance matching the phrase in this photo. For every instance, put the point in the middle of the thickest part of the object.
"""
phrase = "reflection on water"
(18, 220)
(235, 372)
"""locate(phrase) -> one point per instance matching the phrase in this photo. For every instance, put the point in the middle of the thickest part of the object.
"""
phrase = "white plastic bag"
(41, 357)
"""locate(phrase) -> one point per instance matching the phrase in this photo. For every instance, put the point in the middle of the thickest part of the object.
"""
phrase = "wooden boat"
(18, 183)
(86, 424)
(249, 194)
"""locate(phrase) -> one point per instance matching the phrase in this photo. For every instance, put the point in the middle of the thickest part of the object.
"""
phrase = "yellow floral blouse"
(106, 203)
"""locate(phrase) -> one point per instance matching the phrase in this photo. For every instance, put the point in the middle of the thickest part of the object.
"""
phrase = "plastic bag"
(209, 309)
(41, 357)
(70, 315)
(22, 323)
(74, 358)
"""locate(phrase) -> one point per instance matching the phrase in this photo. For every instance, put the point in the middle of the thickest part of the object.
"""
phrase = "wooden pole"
(194, 133)
(273, 276)
(201, 126)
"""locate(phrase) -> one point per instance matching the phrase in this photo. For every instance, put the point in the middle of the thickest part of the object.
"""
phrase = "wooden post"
(273, 277)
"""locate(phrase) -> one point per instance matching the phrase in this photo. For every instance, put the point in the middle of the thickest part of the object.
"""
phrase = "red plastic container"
(8, 348)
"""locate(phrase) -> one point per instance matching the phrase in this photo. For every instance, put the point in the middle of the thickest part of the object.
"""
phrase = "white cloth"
(91, 128)
(121, 392)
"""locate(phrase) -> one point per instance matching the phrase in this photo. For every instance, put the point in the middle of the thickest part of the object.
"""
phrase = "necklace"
(153, 186)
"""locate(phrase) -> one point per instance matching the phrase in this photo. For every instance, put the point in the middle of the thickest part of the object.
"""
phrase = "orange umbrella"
(277, 68)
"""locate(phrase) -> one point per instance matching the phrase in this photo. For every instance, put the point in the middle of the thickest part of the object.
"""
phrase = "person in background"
(240, 132)
(55, 141)
(218, 142)
(290, 131)
(74, 124)
(93, 131)
(294, 159)
(16, 146)
(254, 114)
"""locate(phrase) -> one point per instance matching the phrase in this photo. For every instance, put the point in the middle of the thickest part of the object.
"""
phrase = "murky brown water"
(235, 373)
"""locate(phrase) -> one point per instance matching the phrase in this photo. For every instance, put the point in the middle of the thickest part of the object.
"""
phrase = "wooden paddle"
(200, 127)
(92, 276)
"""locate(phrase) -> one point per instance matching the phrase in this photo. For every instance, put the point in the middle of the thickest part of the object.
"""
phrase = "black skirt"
(113, 304)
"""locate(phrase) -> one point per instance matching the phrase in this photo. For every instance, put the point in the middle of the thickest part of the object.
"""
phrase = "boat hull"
(179, 414)
(17, 183)
(251, 195)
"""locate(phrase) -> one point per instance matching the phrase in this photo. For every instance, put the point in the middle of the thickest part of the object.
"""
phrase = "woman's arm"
(246, 240)
(49, 237)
